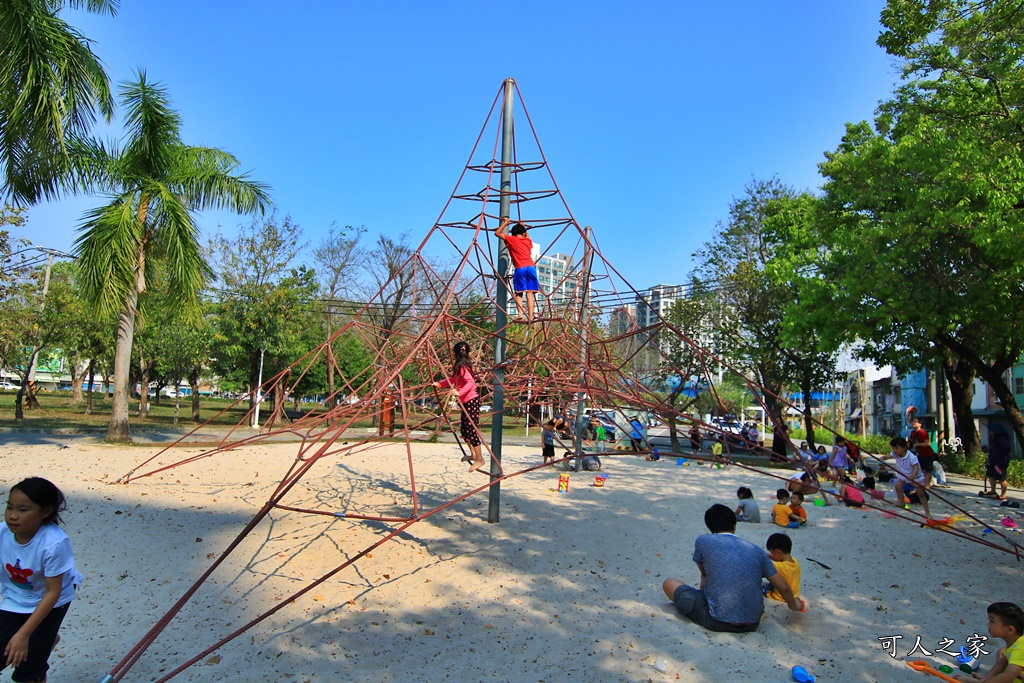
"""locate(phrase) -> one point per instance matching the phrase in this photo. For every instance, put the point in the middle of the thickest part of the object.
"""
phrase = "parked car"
(6, 385)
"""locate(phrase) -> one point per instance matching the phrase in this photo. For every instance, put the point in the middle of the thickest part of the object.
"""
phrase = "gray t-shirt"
(734, 569)
(749, 512)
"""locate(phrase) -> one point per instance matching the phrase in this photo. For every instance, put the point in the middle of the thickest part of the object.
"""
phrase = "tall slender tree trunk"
(145, 370)
(332, 402)
(193, 381)
(805, 388)
(995, 379)
(119, 431)
(76, 379)
(960, 377)
(91, 372)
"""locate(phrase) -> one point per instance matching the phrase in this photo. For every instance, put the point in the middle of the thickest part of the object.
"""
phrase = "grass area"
(59, 412)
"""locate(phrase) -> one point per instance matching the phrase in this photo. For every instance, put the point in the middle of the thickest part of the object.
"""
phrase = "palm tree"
(51, 87)
(155, 183)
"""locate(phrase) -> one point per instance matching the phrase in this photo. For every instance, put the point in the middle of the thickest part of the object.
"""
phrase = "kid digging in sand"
(1006, 622)
(780, 547)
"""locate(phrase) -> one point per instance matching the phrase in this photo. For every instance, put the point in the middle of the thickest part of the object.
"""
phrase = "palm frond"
(51, 84)
(92, 165)
(108, 252)
(97, 6)
(152, 127)
(176, 236)
(204, 176)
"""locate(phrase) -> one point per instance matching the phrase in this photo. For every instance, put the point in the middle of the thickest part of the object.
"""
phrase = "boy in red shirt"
(525, 278)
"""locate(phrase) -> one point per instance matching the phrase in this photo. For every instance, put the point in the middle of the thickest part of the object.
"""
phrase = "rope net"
(595, 338)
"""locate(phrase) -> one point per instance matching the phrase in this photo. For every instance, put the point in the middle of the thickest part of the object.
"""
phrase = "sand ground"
(565, 587)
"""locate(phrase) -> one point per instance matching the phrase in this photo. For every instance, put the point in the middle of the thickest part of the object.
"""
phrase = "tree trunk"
(177, 398)
(961, 392)
(805, 388)
(91, 372)
(994, 377)
(332, 401)
(76, 380)
(145, 370)
(119, 431)
(193, 381)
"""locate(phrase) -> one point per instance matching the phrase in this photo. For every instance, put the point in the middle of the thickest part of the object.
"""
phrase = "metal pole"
(259, 396)
(42, 307)
(501, 317)
(588, 256)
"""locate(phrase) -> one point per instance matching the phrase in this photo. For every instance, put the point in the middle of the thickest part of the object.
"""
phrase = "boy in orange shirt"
(796, 507)
(524, 280)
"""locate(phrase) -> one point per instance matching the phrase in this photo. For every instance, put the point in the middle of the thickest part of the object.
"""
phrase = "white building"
(622, 320)
(557, 278)
(655, 302)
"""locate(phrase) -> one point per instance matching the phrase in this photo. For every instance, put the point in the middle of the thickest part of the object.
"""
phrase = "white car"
(6, 385)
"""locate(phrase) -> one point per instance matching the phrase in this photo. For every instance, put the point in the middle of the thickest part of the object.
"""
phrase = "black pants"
(40, 643)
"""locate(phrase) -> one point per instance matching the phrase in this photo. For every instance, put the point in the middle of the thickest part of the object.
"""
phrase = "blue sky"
(653, 115)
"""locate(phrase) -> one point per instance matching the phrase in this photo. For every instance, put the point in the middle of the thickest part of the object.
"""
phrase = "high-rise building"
(655, 302)
(557, 277)
(558, 281)
(622, 320)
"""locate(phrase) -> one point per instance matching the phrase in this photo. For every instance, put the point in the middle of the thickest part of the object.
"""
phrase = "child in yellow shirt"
(779, 548)
(1006, 621)
(782, 514)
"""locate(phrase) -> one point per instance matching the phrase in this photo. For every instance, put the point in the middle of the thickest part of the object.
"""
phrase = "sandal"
(1008, 522)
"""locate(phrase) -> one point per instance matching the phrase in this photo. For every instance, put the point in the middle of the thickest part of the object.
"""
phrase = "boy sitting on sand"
(796, 507)
(1006, 622)
(779, 548)
(781, 512)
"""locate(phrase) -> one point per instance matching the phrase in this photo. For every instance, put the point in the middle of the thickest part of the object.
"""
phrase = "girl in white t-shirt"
(38, 578)
(908, 473)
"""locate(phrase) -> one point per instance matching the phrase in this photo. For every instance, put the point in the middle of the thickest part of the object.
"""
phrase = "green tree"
(924, 208)
(262, 307)
(156, 183)
(686, 368)
(338, 258)
(51, 88)
(740, 268)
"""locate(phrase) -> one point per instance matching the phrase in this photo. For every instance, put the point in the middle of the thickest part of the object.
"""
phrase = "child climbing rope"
(524, 280)
(465, 383)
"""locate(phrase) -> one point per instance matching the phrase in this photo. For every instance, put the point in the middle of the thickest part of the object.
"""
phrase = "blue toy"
(800, 675)
(968, 664)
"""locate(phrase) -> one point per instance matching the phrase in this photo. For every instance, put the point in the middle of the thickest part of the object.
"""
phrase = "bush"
(958, 461)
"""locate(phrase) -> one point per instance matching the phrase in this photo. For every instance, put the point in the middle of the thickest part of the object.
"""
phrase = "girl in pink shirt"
(465, 383)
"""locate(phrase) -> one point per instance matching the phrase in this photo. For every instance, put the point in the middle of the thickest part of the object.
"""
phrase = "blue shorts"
(525, 279)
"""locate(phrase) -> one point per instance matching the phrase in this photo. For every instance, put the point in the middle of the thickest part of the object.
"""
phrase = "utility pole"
(259, 395)
(30, 376)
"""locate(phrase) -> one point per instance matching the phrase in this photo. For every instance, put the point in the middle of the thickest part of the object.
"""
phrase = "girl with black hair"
(38, 579)
(464, 382)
